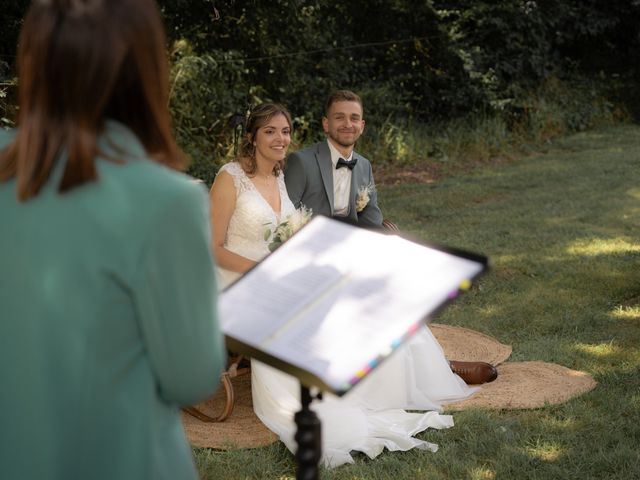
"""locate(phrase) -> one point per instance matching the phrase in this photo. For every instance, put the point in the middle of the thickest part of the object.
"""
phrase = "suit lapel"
(323, 157)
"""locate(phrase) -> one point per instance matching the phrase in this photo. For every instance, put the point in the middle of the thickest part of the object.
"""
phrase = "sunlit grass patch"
(568, 423)
(631, 313)
(601, 350)
(634, 192)
(545, 451)
(482, 473)
(595, 247)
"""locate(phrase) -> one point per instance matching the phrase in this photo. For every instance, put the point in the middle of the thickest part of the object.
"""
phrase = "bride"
(248, 197)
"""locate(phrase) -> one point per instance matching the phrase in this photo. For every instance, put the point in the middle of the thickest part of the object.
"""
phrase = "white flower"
(363, 196)
(285, 229)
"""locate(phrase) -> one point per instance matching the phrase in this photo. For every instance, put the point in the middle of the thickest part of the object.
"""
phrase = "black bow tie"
(344, 163)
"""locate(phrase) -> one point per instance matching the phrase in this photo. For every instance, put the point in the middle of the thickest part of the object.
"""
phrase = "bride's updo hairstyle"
(81, 62)
(258, 118)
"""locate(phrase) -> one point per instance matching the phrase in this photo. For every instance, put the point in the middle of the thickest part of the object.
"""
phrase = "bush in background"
(440, 79)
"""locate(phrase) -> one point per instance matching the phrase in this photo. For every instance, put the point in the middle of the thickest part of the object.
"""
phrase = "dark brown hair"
(342, 96)
(81, 62)
(259, 117)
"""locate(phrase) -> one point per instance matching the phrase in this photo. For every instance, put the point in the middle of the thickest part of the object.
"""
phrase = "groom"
(331, 178)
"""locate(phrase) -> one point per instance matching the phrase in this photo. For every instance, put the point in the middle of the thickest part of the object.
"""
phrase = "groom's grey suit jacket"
(308, 175)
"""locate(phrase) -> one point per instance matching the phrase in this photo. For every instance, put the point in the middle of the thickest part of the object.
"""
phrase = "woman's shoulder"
(150, 186)
(136, 167)
(240, 179)
(151, 176)
(143, 199)
(233, 168)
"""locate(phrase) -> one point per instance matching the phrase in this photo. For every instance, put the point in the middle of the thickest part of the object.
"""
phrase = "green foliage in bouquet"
(285, 229)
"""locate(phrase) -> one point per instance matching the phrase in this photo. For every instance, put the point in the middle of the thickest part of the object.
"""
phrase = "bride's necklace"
(267, 187)
(266, 180)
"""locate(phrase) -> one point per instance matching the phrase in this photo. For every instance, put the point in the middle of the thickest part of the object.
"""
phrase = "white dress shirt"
(341, 183)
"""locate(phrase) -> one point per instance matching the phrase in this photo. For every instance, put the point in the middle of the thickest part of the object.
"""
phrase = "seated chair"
(237, 365)
(389, 225)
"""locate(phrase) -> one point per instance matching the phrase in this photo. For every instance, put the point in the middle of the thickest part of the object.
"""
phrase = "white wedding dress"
(372, 416)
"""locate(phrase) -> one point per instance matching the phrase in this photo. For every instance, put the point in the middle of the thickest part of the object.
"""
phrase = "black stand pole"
(308, 436)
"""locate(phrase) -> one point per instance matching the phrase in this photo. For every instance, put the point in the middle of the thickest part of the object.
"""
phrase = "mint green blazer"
(108, 321)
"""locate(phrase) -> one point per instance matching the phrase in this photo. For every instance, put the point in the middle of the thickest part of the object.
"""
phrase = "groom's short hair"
(342, 96)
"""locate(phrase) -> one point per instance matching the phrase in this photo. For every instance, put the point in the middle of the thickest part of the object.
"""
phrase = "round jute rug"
(468, 345)
(520, 385)
(523, 385)
(243, 429)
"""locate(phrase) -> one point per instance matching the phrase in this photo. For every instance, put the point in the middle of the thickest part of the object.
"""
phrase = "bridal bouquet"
(287, 227)
(363, 196)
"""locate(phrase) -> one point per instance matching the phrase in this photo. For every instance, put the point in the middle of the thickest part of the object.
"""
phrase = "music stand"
(308, 437)
(329, 282)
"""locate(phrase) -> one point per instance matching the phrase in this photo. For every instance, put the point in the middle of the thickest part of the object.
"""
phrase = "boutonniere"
(363, 196)
(285, 229)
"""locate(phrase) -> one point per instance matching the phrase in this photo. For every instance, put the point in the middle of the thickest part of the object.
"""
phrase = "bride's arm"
(222, 203)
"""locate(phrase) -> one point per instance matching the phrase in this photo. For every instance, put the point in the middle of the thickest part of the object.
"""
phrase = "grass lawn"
(562, 230)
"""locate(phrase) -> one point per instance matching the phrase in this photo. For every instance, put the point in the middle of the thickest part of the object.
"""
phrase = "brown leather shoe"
(474, 373)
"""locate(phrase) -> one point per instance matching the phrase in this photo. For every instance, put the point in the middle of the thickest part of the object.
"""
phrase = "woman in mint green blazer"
(108, 320)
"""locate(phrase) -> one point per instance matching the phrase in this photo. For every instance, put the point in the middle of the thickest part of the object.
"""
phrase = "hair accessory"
(238, 122)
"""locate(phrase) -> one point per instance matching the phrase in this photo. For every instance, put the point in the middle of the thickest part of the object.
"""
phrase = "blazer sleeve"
(176, 297)
(295, 178)
(371, 215)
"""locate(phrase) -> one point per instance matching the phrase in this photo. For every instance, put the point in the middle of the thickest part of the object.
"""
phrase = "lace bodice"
(252, 215)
